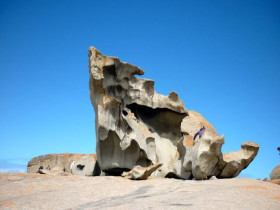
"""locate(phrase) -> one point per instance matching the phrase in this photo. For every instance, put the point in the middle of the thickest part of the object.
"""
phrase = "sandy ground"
(34, 191)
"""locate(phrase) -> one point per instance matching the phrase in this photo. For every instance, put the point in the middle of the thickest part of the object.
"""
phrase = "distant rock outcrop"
(275, 174)
(137, 126)
(59, 164)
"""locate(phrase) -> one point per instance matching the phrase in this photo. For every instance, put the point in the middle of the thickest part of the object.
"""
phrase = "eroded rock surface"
(235, 162)
(137, 126)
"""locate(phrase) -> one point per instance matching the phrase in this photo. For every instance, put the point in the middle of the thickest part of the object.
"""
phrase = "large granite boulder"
(59, 164)
(137, 126)
(275, 173)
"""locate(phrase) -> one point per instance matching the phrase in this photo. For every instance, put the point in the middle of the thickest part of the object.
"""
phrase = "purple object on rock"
(200, 132)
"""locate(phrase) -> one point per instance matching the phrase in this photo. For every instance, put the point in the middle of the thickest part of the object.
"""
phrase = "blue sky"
(221, 57)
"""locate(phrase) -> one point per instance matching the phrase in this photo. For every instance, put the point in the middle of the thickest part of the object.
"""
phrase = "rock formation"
(136, 126)
(275, 173)
(59, 164)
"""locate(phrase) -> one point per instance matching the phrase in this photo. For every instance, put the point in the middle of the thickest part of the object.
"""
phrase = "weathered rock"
(275, 174)
(137, 126)
(86, 166)
(205, 157)
(141, 173)
(134, 124)
(54, 172)
(193, 122)
(239, 160)
(275, 181)
(82, 164)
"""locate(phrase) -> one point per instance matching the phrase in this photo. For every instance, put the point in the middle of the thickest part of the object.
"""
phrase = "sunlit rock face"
(136, 126)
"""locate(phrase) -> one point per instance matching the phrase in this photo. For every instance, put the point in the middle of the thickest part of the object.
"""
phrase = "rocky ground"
(35, 191)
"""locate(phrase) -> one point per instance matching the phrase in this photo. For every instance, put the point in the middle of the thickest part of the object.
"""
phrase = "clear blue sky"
(221, 57)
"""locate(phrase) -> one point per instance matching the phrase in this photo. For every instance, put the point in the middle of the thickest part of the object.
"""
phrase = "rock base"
(29, 191)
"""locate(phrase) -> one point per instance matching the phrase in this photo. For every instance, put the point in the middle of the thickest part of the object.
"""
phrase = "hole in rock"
(80, 167)
(113, 159)
(109, 71)
(143, 160)
(172, 175)
(116, 171)
(165, 122)
(97, 170)
(124, 113)
(119, 88)
(108, 83)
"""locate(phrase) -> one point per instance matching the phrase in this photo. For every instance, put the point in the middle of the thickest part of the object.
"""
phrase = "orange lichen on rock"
(188, 141)
(7, 204)
(20, 174)
(275, 181)
(132, 116)
(94, 156)
(249, 187)
(277, 198)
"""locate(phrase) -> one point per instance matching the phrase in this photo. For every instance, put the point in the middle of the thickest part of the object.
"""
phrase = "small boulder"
(85, 166)
(275, 174)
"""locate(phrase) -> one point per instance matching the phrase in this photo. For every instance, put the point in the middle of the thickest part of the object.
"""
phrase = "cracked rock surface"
(136, 126)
